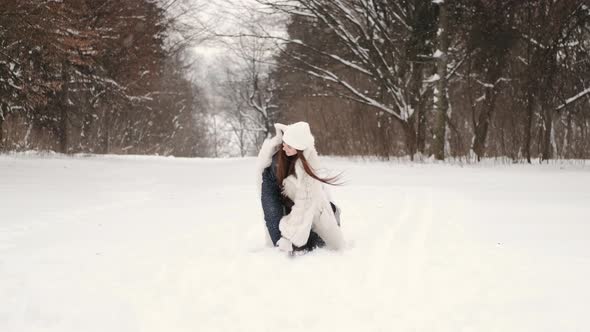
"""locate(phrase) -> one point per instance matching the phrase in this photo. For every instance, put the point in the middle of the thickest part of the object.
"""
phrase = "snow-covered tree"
(93, 76)
(386, 43)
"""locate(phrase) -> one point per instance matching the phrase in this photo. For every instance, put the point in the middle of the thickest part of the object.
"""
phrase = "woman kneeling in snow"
(296, 205)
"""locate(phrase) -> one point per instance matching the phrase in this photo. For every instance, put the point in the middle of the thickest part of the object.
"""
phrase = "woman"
(296, 205)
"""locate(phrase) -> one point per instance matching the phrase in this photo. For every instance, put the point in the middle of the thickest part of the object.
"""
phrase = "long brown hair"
(286, 167)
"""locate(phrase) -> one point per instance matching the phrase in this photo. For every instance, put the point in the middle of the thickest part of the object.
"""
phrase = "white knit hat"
(298, 136)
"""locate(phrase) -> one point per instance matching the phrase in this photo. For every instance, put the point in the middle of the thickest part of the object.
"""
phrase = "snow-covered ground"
(163, 244)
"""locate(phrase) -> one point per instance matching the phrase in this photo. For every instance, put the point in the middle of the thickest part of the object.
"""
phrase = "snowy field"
(163, 244)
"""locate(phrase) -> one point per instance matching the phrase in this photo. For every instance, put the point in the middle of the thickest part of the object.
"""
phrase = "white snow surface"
(108, 243)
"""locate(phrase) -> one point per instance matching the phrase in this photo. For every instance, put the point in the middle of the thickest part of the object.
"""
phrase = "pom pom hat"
(298, 136)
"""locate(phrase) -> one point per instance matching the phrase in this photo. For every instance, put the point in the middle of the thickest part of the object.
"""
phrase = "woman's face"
(289, 151)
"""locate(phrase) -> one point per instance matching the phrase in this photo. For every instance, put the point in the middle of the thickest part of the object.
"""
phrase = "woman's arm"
(296, 226)
(272, 206)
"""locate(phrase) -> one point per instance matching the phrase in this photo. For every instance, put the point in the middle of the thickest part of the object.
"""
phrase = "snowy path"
(162, 244)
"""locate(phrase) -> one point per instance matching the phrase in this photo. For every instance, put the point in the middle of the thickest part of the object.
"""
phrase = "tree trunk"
(241, 134)
(63, 119)
(410, 136)
(547, 151)
(1, 130)
(417, 103)
(584, 146)
(442, 104)
(567, 137)
(528, 126)
(483, 123)
(62, 131)
(503, 139)
(107, 131)
(422, 122)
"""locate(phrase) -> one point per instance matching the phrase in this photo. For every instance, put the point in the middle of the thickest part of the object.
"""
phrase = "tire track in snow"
(400, 259)
(385, 242)
(418, 254)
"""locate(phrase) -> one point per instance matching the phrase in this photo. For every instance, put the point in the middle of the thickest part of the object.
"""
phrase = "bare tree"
(385, 42)
(95, 76)
(441, 95)
(491, 69)
(548, 29)
(249, 87)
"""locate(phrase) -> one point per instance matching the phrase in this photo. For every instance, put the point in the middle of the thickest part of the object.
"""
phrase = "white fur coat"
(312, 210)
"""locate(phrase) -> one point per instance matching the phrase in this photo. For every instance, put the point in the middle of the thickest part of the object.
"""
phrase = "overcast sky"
(229, 17)
(225, 17)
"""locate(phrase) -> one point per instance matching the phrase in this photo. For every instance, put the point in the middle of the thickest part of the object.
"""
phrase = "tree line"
(96, 76)
(437, 78)
(440, 78)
